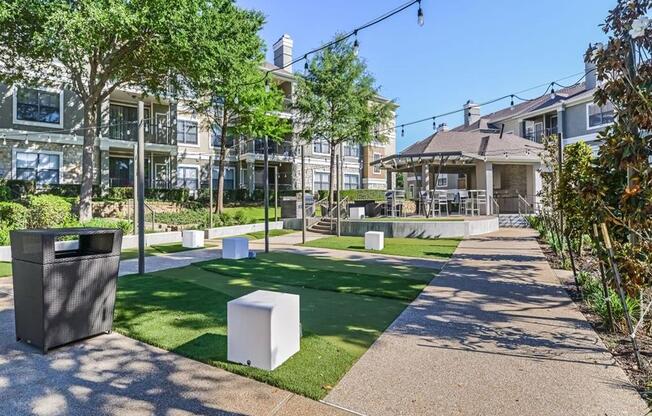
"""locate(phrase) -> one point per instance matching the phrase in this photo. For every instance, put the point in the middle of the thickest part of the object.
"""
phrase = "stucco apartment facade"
(41, 137)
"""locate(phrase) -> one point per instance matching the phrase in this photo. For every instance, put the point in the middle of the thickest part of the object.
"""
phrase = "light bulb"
(266, 85)
(306, 67)
(552, 91)
(434, 124)
(511, 103)
(356, 44)
(402, 131)
(420, 19)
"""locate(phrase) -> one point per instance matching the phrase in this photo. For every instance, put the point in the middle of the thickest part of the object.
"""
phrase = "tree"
(337, 101)
(236, 100)
(94, 47)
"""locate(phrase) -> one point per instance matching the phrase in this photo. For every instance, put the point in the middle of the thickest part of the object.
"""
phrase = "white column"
(484, 173)
(425, 178)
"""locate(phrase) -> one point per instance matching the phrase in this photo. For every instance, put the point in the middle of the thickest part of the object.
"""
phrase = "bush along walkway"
(494, 333)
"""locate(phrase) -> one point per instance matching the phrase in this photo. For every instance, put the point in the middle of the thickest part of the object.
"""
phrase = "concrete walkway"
(116, 375)
(493, 334)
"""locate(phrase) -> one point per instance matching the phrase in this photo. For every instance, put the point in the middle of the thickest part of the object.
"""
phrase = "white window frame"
(196, 167)
(314, 179)
(357, 181)
(599, 126)
(37, 123)
(444, 181)
(351, 146)
(216, 171)
(37, 151)
(321, 153)
(376, 168)
(184, 144)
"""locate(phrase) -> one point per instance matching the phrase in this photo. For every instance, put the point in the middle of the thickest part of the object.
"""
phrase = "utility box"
(263, 329)
(192, 239)
(235, 248)
(291, 206)
(64, 292)
(374, 240)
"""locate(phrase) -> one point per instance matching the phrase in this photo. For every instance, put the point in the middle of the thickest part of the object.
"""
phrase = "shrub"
(21, 189)
(170, 195)
(48, 211)
(120, 193)
(593, 292)
(67, 190)
(13, 215)
(124, 225)
(5, 192)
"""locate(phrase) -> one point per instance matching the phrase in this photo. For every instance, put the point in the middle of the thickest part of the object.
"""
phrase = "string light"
(511, 102)
(434, 123)
(306, 68)
(356, 44)
(552, 91)
(402, 131)
(4, 140)
(26, 139)
(420, 18)
(267, 85)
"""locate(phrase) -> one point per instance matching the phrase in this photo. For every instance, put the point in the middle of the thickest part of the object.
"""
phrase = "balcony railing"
(284, 149)
(538, 135)
(127, 130)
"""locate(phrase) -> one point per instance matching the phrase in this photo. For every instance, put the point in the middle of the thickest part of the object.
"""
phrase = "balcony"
(538, 134)
(257, 147)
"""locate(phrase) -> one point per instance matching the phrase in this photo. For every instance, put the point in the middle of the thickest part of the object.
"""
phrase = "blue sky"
(474, 49)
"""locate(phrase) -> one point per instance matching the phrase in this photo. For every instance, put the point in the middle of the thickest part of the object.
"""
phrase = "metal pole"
(141, 187)
(135, 188)
(266, 185)
(572, 260)
(621, 293)
(210, 190)
(275, 193)
(337, 190)
(303, 194)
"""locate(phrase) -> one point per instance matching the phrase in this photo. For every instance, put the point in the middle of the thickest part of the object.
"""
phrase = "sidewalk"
(493, 334)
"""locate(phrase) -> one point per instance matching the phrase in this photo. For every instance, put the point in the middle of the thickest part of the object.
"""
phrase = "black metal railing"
(275, 149)
(538, 135)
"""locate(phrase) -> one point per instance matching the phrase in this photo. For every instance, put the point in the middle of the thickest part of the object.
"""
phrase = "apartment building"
(41, 133)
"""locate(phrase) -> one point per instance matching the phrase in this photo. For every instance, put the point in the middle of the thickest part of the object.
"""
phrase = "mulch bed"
(618, 343)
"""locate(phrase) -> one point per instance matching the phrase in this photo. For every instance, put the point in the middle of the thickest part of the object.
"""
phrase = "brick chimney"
(283, 52)
(471, 113)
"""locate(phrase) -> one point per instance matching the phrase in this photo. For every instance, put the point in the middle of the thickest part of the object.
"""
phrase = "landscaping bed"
(409, 247)
(345, 307)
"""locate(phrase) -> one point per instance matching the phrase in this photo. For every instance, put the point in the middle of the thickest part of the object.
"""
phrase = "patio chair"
(471, 205)
(425, 203)
(462, 198)
(440, 203)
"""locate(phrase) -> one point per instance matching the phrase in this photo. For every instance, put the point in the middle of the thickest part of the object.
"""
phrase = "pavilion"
(506, 166)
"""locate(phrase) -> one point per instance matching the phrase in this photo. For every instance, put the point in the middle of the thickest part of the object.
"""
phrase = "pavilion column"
(533, 183)
(425, 178)
(484, 174)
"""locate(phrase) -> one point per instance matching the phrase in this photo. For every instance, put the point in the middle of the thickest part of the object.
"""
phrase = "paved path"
(116, 375)
(493, 334)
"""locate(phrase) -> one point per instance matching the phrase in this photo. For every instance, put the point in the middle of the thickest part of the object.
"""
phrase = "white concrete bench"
(356, 213)
(192, 239)
(263, 329)
(235, 248)
(374, 240)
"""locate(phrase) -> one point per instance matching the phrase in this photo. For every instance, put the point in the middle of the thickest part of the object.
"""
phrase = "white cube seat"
(374, 240)
(356, 213)
(192, 238)
(263, 329)
(235, 248)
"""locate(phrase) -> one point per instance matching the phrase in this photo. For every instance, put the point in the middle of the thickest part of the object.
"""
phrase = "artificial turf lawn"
(5, 268)
(259, 235)
(184, 310)
(157, 250)
(409, 247)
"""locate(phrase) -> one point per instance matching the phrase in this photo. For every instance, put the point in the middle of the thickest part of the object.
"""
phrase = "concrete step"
(512, 221)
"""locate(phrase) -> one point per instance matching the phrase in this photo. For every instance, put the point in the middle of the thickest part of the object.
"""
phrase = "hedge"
(358, 194)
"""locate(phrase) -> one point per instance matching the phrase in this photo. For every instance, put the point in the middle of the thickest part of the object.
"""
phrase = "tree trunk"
(219, 206)
(86, 193)
(332, 178)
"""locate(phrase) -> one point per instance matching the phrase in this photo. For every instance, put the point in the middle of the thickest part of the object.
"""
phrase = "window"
(351, 150)
(187, 177)
(40, 167)
(598, 116)
(321, 146)
(121, 171)
(229, 177)
(377, 156)
(187, 132)
(321, 181)
(216, 137)
(350, 181)
(34, 106)
(442, 181)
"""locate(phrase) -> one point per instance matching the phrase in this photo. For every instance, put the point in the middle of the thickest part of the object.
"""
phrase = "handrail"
(153, 215)
(337, 206)
(495, 205)
(523, 201)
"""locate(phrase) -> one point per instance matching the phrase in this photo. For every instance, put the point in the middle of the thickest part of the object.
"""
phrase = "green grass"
(259, 235)
(157, 250)
(345, 306)
(5, 268)
(255, 213)
(409, 247)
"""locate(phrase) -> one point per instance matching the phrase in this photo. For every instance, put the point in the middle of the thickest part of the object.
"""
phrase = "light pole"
(275, 192)
(266, 187)
(210, 190)
(303, 194)
(140, 167)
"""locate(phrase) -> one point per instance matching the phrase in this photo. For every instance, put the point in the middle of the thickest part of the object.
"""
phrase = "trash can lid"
(67, 231)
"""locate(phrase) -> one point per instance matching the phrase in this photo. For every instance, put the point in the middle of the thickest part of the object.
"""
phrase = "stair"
(323, 226)
(512, 221)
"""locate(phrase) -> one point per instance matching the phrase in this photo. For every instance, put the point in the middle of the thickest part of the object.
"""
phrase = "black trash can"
(64, 292)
